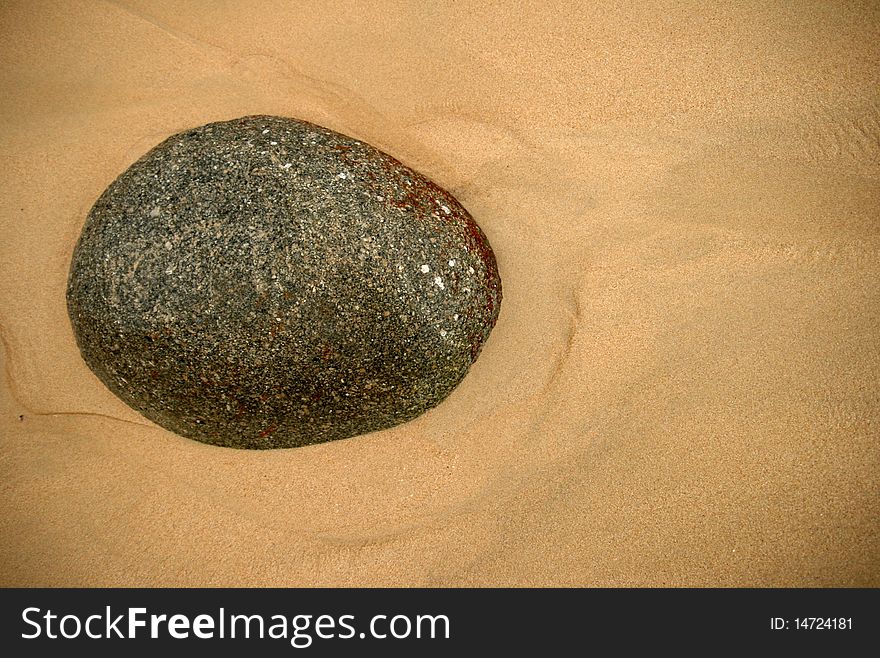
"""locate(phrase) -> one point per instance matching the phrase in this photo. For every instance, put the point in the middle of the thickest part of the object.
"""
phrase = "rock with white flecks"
(268, 283)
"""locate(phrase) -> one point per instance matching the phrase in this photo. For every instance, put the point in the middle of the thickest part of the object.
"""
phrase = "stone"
(268, 283)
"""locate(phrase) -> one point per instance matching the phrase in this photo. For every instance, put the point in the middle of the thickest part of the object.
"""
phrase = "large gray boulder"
(268, 283)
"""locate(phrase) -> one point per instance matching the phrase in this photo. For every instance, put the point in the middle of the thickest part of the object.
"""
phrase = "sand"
(682, 388)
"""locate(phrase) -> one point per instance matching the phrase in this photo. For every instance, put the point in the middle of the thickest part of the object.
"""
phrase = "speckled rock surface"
(268, 283)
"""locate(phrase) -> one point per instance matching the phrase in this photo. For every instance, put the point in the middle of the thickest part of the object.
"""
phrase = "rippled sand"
(684, 384)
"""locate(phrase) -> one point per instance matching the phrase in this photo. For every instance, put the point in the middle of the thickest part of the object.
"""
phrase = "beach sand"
(683, 387)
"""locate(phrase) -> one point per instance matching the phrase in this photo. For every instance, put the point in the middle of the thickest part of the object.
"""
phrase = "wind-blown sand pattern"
(683, 387)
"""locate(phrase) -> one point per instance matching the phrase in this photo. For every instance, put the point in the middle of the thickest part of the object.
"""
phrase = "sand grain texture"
(682, 388)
